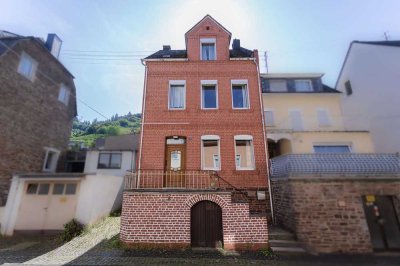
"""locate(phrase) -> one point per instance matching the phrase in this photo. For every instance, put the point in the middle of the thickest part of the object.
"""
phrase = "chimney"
(166, 47)
(236, 44)
(53, 43)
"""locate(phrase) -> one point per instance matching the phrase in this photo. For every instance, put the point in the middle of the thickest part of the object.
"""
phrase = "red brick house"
(202, 178)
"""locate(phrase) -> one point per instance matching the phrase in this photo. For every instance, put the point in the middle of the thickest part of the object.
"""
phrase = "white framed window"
(240, 94)
(331, 148)
(244, 152)
(50, 159)
(208, 49)
(209, 94)
(177, 95)
(296, 120)
(109, 161)
(303, 85)
(277, 85)
(323, 117)
(27, 66)
(269, 117)
(210, 152)
(63, 95)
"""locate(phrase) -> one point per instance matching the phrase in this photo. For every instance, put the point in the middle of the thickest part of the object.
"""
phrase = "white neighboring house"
(370, 80)
(46, 201)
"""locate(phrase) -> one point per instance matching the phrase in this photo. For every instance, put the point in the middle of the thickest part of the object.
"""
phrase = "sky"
(103, 41)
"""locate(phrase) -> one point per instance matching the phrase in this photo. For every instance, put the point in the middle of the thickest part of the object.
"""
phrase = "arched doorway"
(206, 225)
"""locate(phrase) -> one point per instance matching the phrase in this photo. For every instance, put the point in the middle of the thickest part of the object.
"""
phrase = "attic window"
(207, 49)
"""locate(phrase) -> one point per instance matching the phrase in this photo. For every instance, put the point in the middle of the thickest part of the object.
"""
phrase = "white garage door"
(47, 205)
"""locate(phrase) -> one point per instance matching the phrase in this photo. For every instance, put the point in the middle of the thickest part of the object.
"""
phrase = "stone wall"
(162, 219)
(31, 117)
(327, 214)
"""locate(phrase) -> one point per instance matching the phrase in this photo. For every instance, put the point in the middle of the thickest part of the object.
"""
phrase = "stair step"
(284, 243)
(288, 250)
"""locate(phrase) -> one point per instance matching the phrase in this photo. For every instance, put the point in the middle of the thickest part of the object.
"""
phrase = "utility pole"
(266, 61)
(386, 36)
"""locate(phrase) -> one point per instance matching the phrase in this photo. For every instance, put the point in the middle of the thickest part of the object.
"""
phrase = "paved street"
(99, 246)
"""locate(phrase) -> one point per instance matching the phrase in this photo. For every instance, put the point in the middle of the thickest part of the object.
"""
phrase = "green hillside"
(88, 132)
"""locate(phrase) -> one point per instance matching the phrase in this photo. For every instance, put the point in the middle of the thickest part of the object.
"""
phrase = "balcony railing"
(335, 164)
(160, 179)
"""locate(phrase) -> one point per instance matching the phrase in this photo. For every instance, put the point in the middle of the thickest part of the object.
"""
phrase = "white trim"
(241, 82)
(53, 165)
(210, 137)
(32, 74)
(292, 75)
(212, 83)
(243, 137)
(253, 158)
(177, 82)
(242, 59)
(209, 41)
(273, 117)
(166, 59)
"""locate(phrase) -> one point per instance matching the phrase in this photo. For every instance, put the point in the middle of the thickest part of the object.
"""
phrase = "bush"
(71, 229)
(124, 123)
(112, 130)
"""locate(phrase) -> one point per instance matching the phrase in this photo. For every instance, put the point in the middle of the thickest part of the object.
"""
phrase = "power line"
(57, 84)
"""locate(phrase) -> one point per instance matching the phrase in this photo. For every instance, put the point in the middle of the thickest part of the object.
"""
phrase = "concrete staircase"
(283, 242)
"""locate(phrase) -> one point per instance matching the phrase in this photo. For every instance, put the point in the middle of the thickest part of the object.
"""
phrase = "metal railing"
(158, 179)
(335, 164)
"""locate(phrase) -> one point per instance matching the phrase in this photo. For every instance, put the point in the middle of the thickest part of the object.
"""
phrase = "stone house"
(202, 176)
(37, 105)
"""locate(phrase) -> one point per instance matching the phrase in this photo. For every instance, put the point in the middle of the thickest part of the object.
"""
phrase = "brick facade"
(31, 117)
(326, 213)
(162, 219)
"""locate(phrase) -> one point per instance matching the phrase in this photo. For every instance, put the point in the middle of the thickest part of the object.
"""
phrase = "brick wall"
(311, 207)
(31, 117)
(162, 219)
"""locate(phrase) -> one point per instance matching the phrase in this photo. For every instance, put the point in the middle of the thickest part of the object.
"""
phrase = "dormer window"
(303, 85)
(208, 49)
(277, 85)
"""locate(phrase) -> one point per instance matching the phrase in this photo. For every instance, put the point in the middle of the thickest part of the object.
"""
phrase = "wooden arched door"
(206, 225)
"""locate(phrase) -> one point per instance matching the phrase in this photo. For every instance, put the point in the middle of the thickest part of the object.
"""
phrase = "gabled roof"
(7, 43)
(216, 22)
(380, 43)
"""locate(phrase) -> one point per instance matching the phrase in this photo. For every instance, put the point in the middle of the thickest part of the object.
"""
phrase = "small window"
(296, 120)
(208, 51)
(269, 118)
(240, 96)
(211, 156)
(323, 118)
(63, 95)
(50, 160)
(244, 154)
(349, 90)
(70, 189)
(303, 85)
(32, 189)
(177, 96)
(27, 66)
(58, 189)
(276, 85)
(109, 161)
(209, 96)
(331, 149)
(43, 189)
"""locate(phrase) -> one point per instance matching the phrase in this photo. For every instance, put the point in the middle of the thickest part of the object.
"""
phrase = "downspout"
(142, 128)
(264, 137)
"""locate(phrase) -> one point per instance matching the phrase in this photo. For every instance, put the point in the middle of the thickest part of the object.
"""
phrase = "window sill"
(176, 109)
(245, 169)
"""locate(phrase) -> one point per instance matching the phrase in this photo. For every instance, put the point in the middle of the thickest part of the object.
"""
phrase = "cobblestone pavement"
(106, 229)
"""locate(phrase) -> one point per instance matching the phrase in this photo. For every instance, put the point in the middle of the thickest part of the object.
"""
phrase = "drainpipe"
(142, 128)
(264, 137)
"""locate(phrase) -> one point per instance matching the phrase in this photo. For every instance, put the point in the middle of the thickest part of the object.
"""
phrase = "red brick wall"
(162, 219)
(310, 207)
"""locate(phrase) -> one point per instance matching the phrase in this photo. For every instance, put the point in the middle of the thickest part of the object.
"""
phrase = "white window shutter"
(323, 118)
(296, 120)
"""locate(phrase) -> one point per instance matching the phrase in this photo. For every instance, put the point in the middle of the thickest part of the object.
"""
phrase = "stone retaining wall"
(162, 219)
(327, 214)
